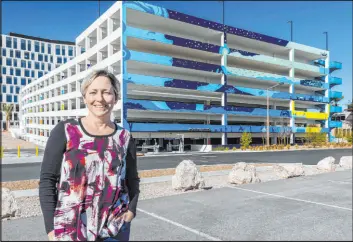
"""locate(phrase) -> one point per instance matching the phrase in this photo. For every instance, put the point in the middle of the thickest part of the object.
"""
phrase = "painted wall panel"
(201, 108)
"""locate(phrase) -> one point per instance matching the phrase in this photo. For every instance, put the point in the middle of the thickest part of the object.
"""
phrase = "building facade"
(24, 59)
(190, 80)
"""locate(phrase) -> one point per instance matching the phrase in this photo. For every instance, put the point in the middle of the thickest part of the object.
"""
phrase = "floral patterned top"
(87, 182)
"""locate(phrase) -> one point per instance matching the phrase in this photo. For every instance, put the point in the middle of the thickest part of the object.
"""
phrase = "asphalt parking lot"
(306, 208)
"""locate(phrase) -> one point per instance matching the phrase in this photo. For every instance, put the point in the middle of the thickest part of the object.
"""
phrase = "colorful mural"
(224, 70)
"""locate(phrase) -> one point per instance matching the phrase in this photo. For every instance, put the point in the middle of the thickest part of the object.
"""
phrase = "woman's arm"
(133, 180)
(50, 174)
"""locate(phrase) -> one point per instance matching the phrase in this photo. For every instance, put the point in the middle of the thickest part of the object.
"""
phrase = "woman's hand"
(128, 216)
(51, 235)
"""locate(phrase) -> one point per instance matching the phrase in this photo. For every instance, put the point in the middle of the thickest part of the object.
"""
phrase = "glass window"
(26, 55)
(8, 42)
(40, 74)
(32, 56)
(15, 80)
(59, 60)
(29, 45)
(15, 98)
(63, 49)
(17, 90)
(8, 61)
(15, 62)
(3, 52)
(23, 44)
(23, 63)
(29, 63)
(27, 73)
(9, 80)
(42, 48)
(65, 59)
(0, 81)
(11, 71)
(32, 74)
(11, 53)
(23, 81)
(49, 67)
(57, 49)
(43, 67)
(14, 43)
(83, 50)
(18, 54)
(49, 48)
(3, 89)
(36, 65)
(51, 59)
(29, 81)
(18, 72)
(9, 98)
(36, 46)
(40, 57)
(46, 58)
(71, 51)
(11, 89)
(4, 70)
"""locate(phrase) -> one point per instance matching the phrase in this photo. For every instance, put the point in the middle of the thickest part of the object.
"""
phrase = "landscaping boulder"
(187, 177)
(346, 162)
(327, 164)
(9, 206)
(289, 170)
(243, 173)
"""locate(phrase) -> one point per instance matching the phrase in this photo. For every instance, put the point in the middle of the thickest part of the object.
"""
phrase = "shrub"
(296, 146)
(245, 140)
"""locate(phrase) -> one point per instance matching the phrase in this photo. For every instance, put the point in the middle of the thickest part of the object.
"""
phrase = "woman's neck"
(98, 122)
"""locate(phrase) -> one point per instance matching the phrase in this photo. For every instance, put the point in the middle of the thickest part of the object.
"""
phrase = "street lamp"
(291, 30)
(268, 114)
(326, 33)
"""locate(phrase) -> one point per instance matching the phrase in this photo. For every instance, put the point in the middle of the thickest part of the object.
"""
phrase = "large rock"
(327, 164)
(289, 170)
(243, 173)
(187, 177)
(346, 162)
(9, 206)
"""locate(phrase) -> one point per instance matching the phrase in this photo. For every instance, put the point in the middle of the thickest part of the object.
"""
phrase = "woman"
(89, 184)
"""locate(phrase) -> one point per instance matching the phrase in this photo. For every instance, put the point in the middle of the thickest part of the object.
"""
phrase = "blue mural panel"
(201, 108)
(210, 87)
(166, 13)
(335, 124)
(335, 94)
(173, 61)
(172, 40)
(335, 109)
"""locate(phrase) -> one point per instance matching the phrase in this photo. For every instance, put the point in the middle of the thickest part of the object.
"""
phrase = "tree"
(8, 108)
(245, 140)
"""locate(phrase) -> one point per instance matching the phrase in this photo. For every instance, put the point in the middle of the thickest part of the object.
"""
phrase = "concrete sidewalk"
(305, 208)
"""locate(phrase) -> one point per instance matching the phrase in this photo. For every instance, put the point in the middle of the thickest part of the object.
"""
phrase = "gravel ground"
(30, 206)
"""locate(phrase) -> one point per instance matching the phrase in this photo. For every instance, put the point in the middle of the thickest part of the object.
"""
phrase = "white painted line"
(290, 198)
(341, 182)
(211, 156)
(181, 226)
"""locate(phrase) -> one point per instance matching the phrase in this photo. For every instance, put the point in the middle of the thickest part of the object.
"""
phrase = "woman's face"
(99, 97)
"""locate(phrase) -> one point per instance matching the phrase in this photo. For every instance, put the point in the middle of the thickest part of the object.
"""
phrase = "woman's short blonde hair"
(97, 73)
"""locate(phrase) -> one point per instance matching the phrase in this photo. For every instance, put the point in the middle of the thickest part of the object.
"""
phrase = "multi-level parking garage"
(183, 76)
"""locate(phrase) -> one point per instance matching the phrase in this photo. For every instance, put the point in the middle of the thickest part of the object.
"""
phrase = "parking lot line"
(290, 198)
(341, 182)
(180, 225)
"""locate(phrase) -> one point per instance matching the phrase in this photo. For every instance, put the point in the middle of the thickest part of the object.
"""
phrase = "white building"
(183, 76)
(23, 60)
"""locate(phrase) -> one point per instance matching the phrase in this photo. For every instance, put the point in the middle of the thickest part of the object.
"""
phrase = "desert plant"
(245, 140)
(8, 108)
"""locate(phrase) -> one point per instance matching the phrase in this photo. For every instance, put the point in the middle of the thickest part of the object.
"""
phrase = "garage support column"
(123, 71)
(224, 82)
(291, 102)
(275, 135)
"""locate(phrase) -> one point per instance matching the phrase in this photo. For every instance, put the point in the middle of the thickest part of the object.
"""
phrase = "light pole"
(326, 33)
(268, 114)
(291, 30)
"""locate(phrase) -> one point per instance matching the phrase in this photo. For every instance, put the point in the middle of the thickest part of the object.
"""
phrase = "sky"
(65, 20)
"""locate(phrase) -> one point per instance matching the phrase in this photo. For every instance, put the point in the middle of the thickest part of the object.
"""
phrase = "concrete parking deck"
(306, 208)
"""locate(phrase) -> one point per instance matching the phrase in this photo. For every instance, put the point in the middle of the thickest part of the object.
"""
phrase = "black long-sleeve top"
(59, 149)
